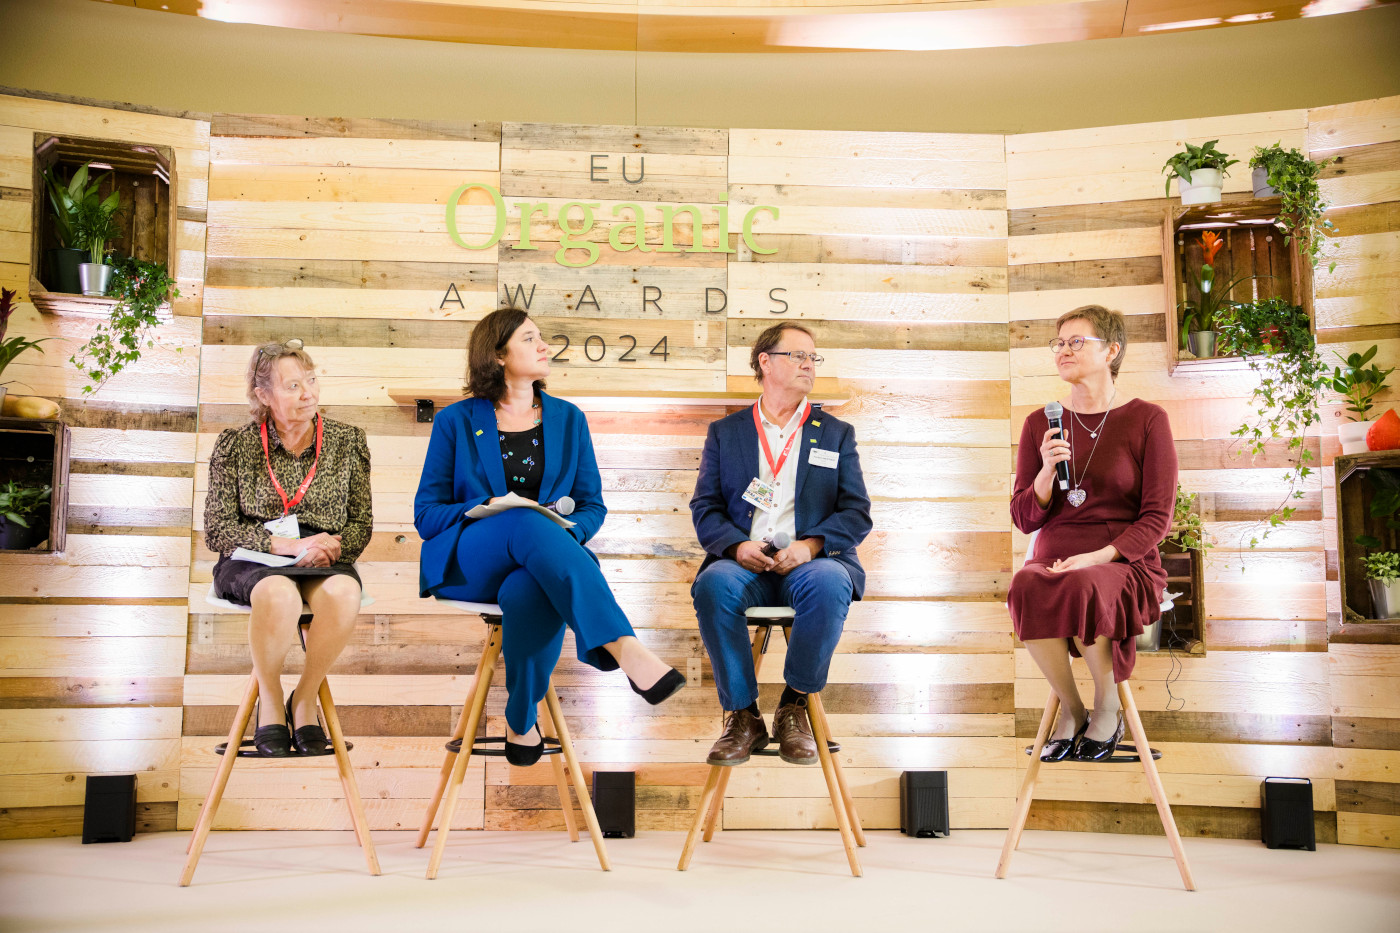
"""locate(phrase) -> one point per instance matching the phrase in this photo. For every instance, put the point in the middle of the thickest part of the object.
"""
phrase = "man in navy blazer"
(781, 472)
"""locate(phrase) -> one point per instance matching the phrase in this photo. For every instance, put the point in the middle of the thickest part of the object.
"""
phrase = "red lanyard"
(763, 439)
(301, 490)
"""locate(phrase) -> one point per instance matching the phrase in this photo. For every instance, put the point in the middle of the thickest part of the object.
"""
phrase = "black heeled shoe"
(1093, 750)
(308, 740)
(523, 755)
(273, 741)
(1060, 749)
(670, 682)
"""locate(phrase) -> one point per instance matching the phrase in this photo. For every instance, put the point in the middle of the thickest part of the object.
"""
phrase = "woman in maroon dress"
(1094, 578)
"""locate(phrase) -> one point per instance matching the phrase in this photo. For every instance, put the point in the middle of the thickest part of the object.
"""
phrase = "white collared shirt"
(784, 515)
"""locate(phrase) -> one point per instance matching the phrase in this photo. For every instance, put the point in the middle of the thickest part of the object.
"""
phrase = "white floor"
(501, 882)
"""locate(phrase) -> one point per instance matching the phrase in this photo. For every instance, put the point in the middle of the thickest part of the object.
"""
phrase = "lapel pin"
(478, 432)
(816, 424)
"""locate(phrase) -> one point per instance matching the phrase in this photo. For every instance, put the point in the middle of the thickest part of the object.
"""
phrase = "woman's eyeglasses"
(1074, 343)
(798, 356)
(294, 344)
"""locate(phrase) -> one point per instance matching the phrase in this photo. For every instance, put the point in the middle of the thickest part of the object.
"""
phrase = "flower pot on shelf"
(1201, 343)
(1262, 189)
(1385, 599)
(1202, 188)
(1352, 435)
(15, 537)
(94, 278)
(63, 270)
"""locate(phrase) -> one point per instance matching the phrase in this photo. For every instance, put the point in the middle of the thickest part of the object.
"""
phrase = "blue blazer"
(463, 469)
(831, 503)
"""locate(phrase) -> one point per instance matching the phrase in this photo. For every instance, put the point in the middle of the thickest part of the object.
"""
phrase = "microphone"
(561, 506)
(1054, 412)
(776, 543)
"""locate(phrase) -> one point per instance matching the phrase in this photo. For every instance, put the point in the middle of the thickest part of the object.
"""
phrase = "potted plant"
(1359, 384)
(1188, 531)
(1383, 573)
(1200, 172)
(20, 508)
(95, 225)
(1199, 318)
(65, 196)
(1292, 176)
(14, 346)
(1276, 340)
(141, 288)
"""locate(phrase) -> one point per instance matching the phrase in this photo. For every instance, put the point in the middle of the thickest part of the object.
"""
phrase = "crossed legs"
(1051, 655)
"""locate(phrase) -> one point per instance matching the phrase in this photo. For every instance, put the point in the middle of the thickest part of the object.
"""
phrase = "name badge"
(761, 495)
(284, 527)
(823, 458)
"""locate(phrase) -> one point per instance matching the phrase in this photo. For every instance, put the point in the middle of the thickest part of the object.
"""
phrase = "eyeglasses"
(799, 356)
(293, 345)
(1075, 343)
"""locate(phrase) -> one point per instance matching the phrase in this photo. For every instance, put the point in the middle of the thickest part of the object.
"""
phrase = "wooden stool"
(764, 619)
(238, 744)
(460, 750)
(1149, 767)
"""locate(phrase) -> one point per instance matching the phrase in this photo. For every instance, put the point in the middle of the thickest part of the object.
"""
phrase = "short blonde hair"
(260, 369)
(1108, 325)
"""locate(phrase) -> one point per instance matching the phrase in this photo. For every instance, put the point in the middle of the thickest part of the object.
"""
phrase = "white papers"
(264, 558)
(511, 501)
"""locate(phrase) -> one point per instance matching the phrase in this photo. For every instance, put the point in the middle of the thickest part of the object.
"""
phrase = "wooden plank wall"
(931, 266)
(92, 642)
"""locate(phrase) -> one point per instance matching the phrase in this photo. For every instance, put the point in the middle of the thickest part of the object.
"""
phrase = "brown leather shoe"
(793, 731)
(744, 733)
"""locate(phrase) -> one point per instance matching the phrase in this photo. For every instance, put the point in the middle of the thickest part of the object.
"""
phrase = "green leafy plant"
(1358, 383)
(1383, 566)
(1188, 532)
(19, 503)
(140, 288)
(1385, 503)
(96, 223)
(1294, 176)
(13, 347)
(65, 197)
(1184, 163)
(1275, 339)
(1215, 304)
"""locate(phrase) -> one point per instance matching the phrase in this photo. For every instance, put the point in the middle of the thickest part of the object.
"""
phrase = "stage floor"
(784, 881)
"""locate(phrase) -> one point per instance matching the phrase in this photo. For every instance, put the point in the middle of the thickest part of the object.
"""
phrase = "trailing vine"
(1294, 176)
(140, 288)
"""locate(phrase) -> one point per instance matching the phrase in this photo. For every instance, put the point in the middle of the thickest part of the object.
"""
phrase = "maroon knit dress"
(1131, 492)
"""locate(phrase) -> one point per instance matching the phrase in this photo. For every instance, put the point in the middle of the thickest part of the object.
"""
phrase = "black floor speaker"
(1286, 813)
(923, 804)
(615, 800)
(109, 808)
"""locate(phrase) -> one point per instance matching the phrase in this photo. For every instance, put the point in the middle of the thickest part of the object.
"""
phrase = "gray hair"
(260, 369)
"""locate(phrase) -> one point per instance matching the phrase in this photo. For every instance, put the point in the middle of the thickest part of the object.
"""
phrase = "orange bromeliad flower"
(1210, 245)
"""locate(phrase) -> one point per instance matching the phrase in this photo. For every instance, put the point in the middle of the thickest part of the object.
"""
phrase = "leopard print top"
(242, 497)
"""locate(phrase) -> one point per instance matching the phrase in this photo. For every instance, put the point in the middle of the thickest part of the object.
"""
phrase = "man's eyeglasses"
(1075, 343)
(798, 356)
(294, 344)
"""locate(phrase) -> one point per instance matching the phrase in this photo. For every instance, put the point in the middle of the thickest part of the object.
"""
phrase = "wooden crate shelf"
(1353, 491)
(33, 452)
(1183, 628)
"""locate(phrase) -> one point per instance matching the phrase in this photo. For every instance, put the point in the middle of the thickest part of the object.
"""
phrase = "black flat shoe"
(273, 741)
(308, 740)
(523, 755)
(670, 682)
(1092, 750)
(1060, 749)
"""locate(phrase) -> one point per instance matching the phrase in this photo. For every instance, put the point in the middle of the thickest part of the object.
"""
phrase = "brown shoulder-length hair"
(768, 340)
(1108, 325)
(260, 369)
(486, 377)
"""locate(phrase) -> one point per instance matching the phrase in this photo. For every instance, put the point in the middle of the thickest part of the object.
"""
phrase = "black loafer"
(310, 739)
(1060, 749)
(662, 690)
(273, 741)
(524, 755)
(1091, 750)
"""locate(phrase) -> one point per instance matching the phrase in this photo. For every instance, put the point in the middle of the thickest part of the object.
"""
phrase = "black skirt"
(234, 579)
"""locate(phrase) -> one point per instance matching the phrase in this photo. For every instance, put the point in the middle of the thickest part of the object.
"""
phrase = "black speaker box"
(615, 800)
(109, 808)
(1286, 813)
(923, 804)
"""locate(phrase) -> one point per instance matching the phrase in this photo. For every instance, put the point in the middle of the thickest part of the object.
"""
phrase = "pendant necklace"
(1077, 495)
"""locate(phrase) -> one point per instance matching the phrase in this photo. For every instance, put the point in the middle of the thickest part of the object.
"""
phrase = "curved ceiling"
(747, 26)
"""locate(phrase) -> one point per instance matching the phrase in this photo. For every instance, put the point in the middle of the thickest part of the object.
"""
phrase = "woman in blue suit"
(511, 437)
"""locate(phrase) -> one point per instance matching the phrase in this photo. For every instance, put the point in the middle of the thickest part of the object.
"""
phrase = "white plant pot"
(1203, 188)
(1352, 434)
(1260, 180)
(1385, 599)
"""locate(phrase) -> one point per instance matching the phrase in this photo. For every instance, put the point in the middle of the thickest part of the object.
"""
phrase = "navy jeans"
(543, 580)
(820, 592)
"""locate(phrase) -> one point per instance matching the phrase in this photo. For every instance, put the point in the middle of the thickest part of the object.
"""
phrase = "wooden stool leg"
(347, 777)
(1023, 801)
(1154, 781)
(216, 790)
(459, 767)
(707, 797)
(712, 819)
(585, 802)
(561, 779)
(815, 707)
(838, 804)
(458, 731)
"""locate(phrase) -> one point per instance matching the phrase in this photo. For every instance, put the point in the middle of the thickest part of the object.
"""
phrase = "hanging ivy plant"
(1294, 176)
(1275, 339)
(140, 288)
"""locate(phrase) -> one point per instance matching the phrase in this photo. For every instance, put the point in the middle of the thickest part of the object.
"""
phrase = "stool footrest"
(1130, 754)
(482, 746)
(248, 749)
(772, 750)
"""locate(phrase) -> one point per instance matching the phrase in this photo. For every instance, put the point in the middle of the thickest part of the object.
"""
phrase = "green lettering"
(723, 209)
(452, 215)
(638, 226)
(528, 211)
(697, 228)
(748, 228)
(568, 241)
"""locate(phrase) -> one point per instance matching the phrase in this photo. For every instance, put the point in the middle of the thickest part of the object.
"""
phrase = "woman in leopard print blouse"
(290, 482)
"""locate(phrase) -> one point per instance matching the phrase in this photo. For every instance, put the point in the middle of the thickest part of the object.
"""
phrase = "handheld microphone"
(562, 506)
(1054, 412)
(776, 543)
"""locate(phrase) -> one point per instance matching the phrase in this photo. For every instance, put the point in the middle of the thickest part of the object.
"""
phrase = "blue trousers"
(820, 592)
(543, 580)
